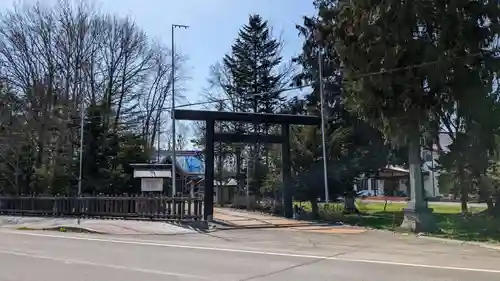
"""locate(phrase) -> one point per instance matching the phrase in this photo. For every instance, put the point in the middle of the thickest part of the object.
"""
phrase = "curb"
(58, 229)
(454, 241)
(198, 225)
(228, 224)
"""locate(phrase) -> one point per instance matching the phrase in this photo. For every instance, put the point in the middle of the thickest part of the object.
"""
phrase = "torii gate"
(285, 120)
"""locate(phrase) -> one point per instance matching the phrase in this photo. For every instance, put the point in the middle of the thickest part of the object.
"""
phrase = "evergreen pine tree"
(255, 79)
(253, 63)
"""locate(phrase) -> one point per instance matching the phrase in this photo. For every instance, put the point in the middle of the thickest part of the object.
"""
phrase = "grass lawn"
(474, 227)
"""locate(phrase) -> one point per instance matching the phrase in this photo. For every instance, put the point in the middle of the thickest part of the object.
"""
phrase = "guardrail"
(136, 207)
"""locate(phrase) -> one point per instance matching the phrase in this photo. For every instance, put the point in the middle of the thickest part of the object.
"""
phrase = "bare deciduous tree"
(157, 92)
(56, 59)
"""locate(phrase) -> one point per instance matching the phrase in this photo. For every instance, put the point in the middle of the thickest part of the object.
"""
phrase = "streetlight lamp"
(174, 26)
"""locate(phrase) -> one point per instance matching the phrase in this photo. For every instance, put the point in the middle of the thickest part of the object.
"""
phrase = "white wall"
(431, 185)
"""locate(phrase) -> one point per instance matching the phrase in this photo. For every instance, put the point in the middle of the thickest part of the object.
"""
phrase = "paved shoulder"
(248, 219)
(95, 225)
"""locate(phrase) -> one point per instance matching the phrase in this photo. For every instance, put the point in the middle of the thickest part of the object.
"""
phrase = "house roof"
(396, 169)
(230, 182)
(395, 172)
(178, 169)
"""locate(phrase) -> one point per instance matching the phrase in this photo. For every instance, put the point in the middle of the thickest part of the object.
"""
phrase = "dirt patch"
(61, 229)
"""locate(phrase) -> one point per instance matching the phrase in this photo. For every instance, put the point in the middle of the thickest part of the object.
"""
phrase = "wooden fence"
(138, 207)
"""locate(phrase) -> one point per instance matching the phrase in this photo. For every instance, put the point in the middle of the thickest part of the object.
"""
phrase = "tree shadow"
(380, 220)
(471, 227)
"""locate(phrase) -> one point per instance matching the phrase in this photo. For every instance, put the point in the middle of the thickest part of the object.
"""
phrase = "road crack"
(267, 274)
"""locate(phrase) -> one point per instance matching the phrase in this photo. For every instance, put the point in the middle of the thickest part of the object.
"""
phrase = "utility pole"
(322, 104)
(174, 177)
(80, 168)
(319, 39)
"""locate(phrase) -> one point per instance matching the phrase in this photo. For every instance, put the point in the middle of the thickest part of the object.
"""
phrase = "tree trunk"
(464, 194)
(490, 206)
(417, 216)
(350, 202)
(416, 184)
(496, 207)
(496, 210)
(463, 198)
(314, 208)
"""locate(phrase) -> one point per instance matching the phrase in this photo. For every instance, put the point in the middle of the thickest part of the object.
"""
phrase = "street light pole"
(80, 168)
(322, 104)
(174, 178)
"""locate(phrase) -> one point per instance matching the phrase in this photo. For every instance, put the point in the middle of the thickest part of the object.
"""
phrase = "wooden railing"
(145, 207)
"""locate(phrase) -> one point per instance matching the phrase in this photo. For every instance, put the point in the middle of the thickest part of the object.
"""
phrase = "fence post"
(169, 207)
(179, 208)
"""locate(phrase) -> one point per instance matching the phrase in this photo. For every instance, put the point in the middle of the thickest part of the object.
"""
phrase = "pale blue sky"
(213, 26)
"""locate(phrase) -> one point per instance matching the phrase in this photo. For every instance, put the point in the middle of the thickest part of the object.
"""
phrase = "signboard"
(152, 174)
(151, 184)
(193, 153)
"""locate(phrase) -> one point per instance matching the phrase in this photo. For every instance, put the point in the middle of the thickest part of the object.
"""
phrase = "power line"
(140, 122)
(420, 65)
(363, 75)
(207, 102)
(368, 74)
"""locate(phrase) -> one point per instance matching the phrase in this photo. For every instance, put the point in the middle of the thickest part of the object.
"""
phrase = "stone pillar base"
(201, 225)
(418, 220)
(210, 218)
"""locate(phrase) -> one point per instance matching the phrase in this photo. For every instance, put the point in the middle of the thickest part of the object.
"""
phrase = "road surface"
(239, 255)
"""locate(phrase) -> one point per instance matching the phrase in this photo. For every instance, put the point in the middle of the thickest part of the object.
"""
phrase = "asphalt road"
(233, 255)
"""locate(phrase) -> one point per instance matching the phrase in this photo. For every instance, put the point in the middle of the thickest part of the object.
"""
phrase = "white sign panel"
(152, 174)
(151, 184)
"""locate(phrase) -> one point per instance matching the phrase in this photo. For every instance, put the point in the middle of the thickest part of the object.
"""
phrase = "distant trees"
(57, 61)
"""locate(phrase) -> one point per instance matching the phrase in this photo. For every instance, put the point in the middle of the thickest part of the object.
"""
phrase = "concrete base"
(418, 220)
(200, 224)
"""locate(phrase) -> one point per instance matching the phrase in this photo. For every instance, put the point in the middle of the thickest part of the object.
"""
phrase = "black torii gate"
(285, 120)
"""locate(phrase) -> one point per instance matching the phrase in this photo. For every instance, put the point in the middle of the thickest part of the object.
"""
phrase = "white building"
(393, 180)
